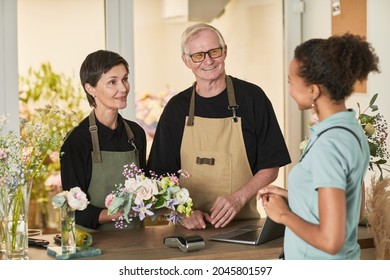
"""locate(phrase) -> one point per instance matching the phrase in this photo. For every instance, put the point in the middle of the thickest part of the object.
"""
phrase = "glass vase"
(15, 221)
(68, 230)
(2, 221)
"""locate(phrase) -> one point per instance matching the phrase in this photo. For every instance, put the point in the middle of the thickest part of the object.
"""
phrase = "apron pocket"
(213, 179)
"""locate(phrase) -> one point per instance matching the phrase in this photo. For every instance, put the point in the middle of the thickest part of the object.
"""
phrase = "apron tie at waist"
(209, 161)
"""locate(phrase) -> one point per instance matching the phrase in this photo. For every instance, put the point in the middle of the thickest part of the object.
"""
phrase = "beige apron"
(213, 153)
(107, 168)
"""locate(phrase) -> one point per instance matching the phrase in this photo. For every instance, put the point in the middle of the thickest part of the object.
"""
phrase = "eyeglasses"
(200, 56)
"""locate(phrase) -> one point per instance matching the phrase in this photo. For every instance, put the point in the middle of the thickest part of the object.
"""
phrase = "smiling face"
(298, 89)
(112, 89)
(209, 69)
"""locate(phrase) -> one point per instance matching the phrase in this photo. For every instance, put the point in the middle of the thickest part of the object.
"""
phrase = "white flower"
(145, 190)
(182, 196)
(77, 199)
(131, 185)
(369, 129)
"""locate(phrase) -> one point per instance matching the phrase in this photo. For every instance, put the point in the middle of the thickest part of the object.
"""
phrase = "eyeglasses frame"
(204, 53)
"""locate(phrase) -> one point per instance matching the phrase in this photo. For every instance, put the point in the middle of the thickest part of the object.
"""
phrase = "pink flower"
(3, 154)
(109, 199)
(174, 179)
(53, 180)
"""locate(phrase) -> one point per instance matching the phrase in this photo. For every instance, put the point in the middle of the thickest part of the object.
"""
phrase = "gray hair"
(195, 29)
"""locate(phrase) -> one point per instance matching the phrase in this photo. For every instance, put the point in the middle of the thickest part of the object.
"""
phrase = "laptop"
(252, 235)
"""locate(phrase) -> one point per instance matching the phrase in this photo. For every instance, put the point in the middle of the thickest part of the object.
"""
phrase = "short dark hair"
(95, 65)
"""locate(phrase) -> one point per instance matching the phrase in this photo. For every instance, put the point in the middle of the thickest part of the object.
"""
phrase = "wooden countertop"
(147, 244)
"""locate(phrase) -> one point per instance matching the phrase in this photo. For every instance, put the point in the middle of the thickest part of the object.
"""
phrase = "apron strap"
(191, 114)
(130, 135)
(231, 98)
(95, 138)
(93, 129)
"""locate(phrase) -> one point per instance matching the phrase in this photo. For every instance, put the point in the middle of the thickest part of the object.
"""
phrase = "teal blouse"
(336, 159)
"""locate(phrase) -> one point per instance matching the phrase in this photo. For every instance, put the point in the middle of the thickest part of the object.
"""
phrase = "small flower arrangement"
(375, 128)
(75, 199)
(141, 196)
(69, 202)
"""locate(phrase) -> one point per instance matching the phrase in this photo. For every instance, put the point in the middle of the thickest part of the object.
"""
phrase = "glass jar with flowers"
(23, 156)
(68, 202)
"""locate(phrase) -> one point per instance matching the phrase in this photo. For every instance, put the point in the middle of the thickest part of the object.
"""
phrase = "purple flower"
(171, 203)
(174, 218)
(143, 210)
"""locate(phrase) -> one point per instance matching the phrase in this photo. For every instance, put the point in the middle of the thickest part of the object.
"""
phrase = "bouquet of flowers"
(141, 196)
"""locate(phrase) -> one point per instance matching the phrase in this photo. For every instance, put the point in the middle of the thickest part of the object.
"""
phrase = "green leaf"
(381, 172)
(374, 108)
(380, 161)
(127, 205)
(115, 205)
(159, 203)
(364, 118)
(373, 148)
(373, 99)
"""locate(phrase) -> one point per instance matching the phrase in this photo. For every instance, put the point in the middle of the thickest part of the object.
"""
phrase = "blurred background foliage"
(41, 88)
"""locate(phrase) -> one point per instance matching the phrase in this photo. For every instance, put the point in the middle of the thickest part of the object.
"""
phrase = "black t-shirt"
(76, 159)
(264, 142)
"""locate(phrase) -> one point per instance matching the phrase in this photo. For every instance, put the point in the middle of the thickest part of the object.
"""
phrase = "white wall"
(60, 32)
